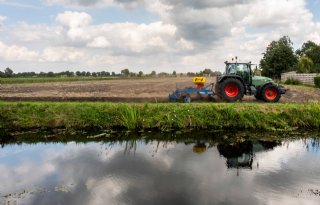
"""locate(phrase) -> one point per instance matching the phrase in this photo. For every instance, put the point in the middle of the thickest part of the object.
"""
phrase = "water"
(162, 172)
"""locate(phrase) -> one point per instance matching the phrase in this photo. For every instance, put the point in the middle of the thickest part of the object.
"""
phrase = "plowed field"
(126, 90)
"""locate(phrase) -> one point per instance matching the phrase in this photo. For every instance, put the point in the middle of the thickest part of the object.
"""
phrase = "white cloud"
(17, 53)
(188, 36)
(99, 42)
(62, 54)
(74, 19)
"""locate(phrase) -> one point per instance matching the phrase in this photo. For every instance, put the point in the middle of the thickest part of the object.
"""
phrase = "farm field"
(127, 90)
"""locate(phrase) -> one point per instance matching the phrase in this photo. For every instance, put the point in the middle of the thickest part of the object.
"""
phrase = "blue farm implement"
(198, 92)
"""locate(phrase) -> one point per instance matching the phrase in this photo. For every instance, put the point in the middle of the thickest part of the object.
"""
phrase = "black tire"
(258, 94)
(270, 93)
(231, 90)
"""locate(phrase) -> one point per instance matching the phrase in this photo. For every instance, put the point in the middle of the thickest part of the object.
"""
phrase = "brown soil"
(126, 90)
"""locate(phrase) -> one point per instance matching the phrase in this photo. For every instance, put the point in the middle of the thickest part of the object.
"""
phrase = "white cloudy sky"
(160, 35)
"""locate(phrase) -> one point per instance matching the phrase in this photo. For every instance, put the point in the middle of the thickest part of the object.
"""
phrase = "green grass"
(292, 81)
(166, 116)
(54, 79)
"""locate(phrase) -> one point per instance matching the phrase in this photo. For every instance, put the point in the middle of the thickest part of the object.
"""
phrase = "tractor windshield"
(237, 68)
(240, 69)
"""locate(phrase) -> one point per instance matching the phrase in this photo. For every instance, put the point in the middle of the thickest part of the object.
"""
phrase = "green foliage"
(292, 81)
(305, 64)
(317, 81)
(312, 51)
(89, 115)
(278, 58)
(125, 72)
(129, 117)
(8, 72)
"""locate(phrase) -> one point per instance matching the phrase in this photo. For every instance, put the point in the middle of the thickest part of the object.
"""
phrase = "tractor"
(238, 80)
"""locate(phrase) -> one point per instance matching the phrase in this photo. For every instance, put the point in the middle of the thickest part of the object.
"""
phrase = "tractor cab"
(240, 69)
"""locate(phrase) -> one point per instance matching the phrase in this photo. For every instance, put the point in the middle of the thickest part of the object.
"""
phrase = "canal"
(215, 169)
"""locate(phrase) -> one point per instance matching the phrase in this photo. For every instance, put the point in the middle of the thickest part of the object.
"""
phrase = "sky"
(147, 35)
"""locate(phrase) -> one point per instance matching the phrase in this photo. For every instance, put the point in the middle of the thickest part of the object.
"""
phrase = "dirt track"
(131, 90)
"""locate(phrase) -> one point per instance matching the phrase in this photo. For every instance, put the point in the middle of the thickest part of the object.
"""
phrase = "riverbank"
(129, 116)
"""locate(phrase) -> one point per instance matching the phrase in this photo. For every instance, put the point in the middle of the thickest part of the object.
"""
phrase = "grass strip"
(130, 116)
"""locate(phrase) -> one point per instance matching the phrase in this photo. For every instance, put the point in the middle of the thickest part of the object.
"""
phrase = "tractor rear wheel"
(231, 90)
(270, 93)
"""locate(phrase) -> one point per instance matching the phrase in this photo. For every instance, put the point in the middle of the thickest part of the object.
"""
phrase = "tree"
(140, 74)
(207, 71)
(8, 73)
(153, 73)
(174, 73)
(125, 72)
(278, 58)
(2, 75)
(78, 73)
(305, 64)
(191, 74)
(103, 74)
(312, 51)
(50, 74)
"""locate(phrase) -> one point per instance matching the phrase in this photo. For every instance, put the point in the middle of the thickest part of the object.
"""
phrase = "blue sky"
(161, 35)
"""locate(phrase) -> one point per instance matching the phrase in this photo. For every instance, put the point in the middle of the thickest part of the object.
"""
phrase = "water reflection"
(141, 172)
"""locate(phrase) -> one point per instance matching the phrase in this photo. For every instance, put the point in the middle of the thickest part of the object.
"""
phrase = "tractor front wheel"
(270, 93)
(231, 90)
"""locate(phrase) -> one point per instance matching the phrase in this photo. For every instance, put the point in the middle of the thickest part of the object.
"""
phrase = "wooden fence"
(307, 78)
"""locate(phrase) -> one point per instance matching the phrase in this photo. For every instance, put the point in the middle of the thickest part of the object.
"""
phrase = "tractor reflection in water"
(239, 155)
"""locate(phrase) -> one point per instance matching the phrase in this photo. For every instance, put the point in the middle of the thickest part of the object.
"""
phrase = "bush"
(292, 81)
(317, 81)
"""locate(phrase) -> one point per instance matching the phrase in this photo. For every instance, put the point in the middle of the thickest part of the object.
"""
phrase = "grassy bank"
(85, 115)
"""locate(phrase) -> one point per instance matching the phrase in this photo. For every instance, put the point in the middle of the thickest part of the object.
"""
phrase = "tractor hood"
(260, 80)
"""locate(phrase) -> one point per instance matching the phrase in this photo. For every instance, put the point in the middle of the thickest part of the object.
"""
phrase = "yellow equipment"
(199, 81)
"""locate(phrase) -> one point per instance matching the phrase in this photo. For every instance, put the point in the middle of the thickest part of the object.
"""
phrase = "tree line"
(9, 73)
(281, 57)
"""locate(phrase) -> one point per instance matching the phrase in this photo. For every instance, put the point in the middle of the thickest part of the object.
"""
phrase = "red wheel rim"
(271, 93)
(231, 90)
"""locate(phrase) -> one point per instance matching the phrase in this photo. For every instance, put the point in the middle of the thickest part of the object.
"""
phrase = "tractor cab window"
(243, 70)
(231, 69)
(237, 69)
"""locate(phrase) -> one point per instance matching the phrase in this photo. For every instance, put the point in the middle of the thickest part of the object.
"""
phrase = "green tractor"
(238, 80)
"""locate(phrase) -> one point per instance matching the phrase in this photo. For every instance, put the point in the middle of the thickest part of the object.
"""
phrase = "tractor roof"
(232, 62)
